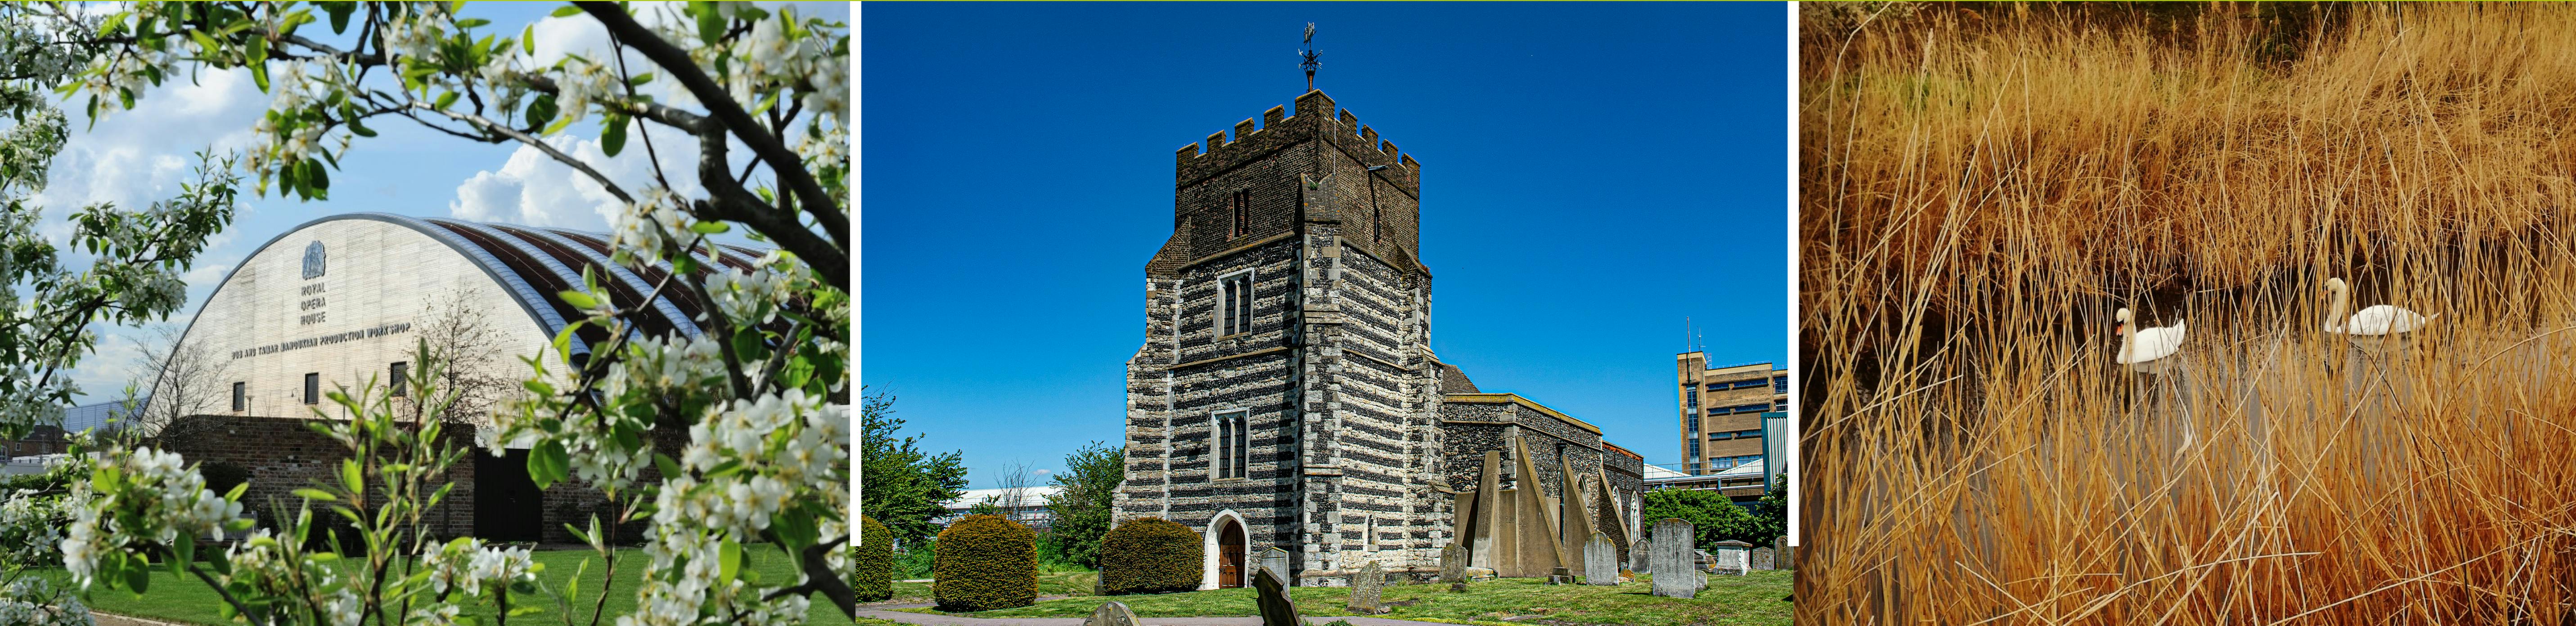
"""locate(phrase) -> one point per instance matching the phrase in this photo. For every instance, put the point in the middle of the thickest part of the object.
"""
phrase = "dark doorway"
(1229, 555)
(507, 504)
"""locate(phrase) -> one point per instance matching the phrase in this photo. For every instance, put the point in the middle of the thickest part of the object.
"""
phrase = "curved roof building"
(340, 299)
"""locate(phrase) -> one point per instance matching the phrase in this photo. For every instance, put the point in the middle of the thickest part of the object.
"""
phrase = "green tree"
(905, 486)
(1774, 510)
(1712, 515)
(1081, 510)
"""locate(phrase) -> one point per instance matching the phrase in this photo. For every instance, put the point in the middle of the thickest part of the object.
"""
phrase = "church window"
(1234, 310)
(1232, 445)
(1241, 204)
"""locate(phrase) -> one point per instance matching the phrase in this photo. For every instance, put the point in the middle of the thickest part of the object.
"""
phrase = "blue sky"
(132, 158)
(1593, 174)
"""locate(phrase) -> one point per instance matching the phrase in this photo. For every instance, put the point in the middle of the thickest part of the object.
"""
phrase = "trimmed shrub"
(1150, 555)
(872, 562)
(985, 562)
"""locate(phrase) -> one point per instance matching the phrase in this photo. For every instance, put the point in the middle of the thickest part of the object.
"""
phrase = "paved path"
(879, 611)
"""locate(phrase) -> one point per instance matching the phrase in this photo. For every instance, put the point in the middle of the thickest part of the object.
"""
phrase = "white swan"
(2144, 346)
(2376, 321)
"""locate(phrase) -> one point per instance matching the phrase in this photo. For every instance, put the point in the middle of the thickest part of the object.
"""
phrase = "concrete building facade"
(1721, 411)
(342, 301)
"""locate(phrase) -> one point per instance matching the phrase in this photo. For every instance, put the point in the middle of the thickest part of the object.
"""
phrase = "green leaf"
(578, 299)
(360, 130)
(710, 228)
(321, 176)
(528, 39)
(256, 55)
(612, 134)
(138, 576)
(205, 42)
(548, 463)
(568, 11)
(711, 27)
(317, 494)
(444, 99)
(670, 468)
(731, 560)
(640, 80)
(352, 476)
(339, 15)
(471, 22)
(185, 551)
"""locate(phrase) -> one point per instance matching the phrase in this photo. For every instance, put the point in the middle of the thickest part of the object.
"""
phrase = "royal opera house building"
(345, 300)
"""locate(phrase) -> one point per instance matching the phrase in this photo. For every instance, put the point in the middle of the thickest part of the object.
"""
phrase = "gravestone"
(1453, 563)
(1276, 560)
(1731, 558)
(1761, 558)
(1366, 587)
(1671, 560)
(1270, 592)
(1787, 557)
(1112, 614)
(1600, 560)
(1560, 576)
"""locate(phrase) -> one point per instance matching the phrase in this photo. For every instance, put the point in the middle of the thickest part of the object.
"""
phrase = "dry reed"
(1983, 185)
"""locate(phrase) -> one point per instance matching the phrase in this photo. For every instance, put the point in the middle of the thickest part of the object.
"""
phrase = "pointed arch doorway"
(1229, 555)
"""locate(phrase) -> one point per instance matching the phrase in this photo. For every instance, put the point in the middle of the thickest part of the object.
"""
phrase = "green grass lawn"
(1754, 599)
(190, 601)
(1049, 584)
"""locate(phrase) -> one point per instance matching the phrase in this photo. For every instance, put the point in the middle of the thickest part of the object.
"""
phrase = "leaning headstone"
(1600, 560)
(1366, 587)
(1270, 591)
(1761, 558)
(1112, 614)
(1671, 560)
(1276, 560)
(1453, 563)
(1638, 555)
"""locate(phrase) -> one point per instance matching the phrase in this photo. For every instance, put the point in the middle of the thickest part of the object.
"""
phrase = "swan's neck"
(2128, 343)
(2335, 318)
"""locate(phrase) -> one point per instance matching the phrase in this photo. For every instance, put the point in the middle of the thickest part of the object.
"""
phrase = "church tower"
(1286, 394)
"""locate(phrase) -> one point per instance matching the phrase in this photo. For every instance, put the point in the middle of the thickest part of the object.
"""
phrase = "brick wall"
(284, 454)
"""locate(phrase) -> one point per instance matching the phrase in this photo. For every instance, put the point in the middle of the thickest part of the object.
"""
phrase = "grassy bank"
(189, 601)
(1755, 599)
(1982, 186)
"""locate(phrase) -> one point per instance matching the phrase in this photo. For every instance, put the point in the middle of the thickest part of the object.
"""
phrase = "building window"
(1234, 309)
(1690, 397)
(1241, 205)
(1694, 423)
(1779, 406)
(241, 398)
(1233, 448)
(1694, 449)
(402, 378)
(1779, 384)
(313, 388)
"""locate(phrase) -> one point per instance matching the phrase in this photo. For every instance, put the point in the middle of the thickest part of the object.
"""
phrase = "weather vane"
(1309, 55)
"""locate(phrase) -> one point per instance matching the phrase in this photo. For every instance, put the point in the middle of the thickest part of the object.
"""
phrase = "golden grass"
(1982, 186)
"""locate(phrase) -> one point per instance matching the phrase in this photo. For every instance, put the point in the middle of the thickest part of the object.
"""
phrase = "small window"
(312, 388)
(1694, 449)
(401, 378)
(1232, 444)
(1691, 397)
(1779, 384)
(241, 398)
(1241, 204)
(1234, 309)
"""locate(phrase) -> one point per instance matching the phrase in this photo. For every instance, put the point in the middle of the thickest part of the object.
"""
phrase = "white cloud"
(534, 189)
(133, 158)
